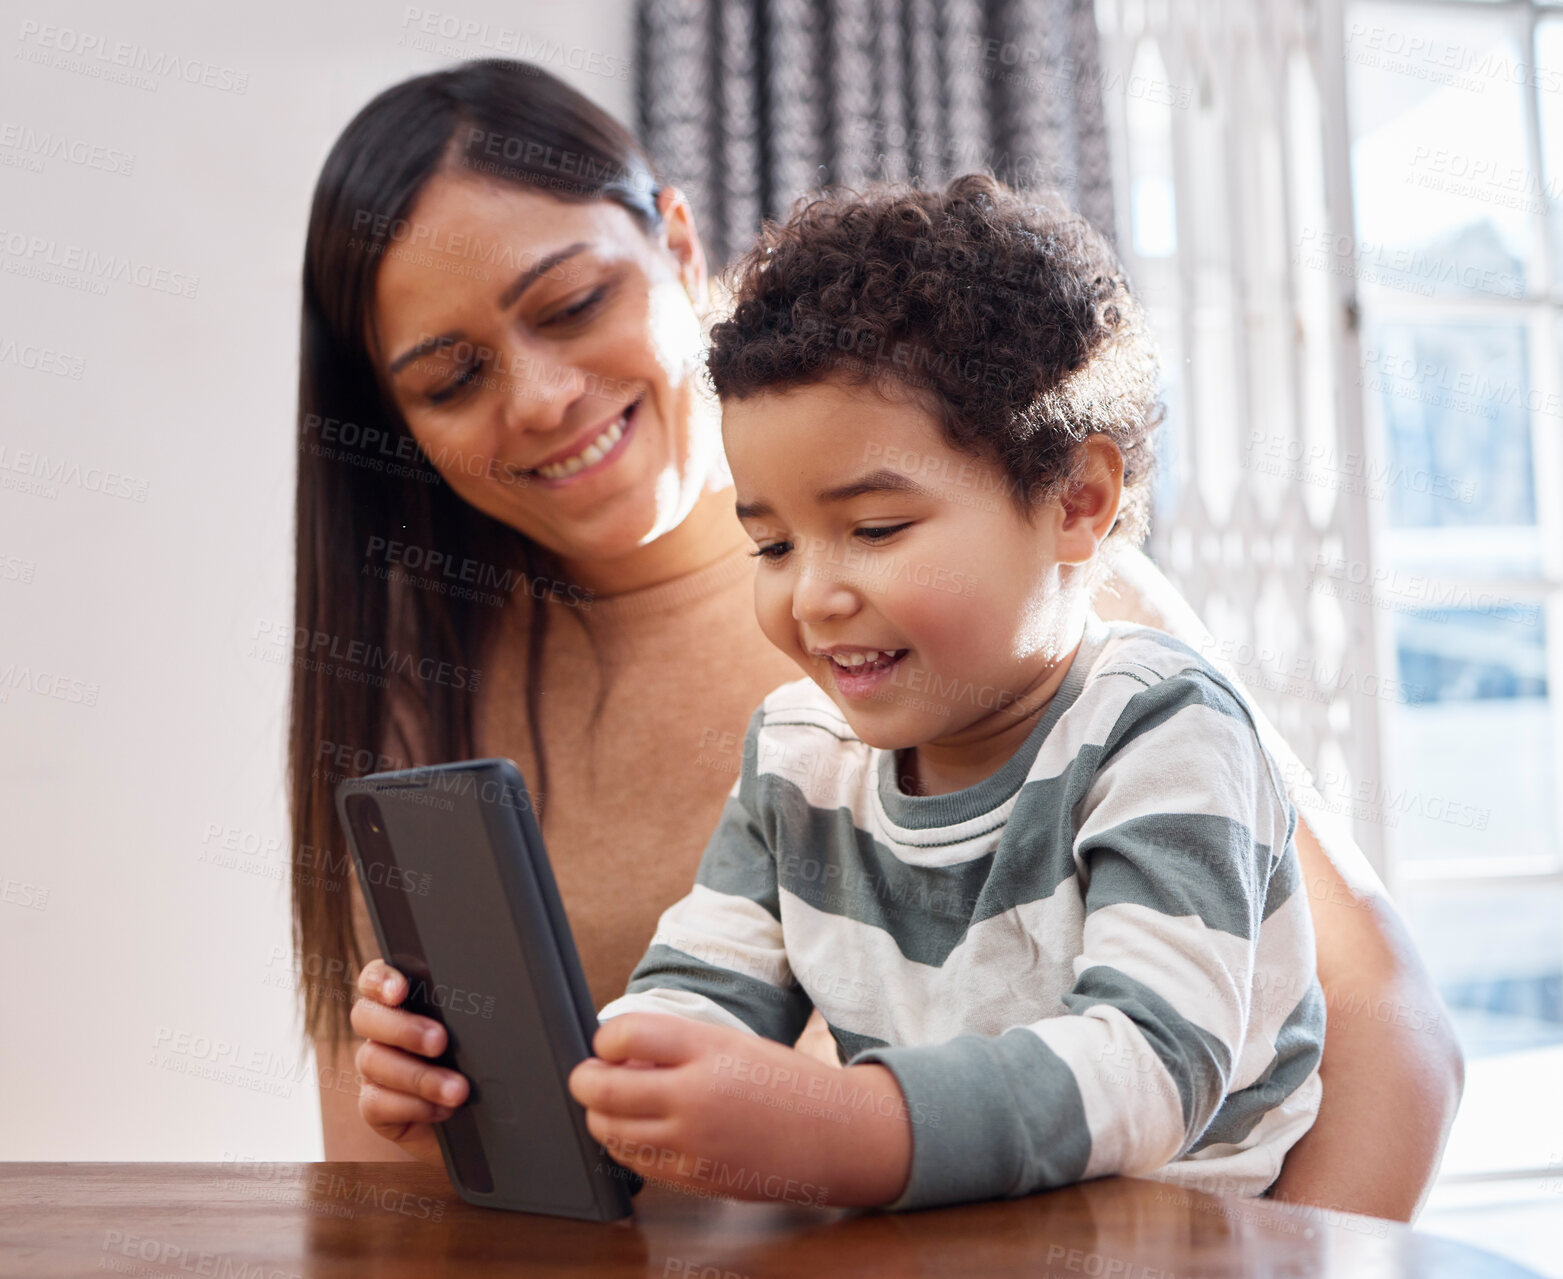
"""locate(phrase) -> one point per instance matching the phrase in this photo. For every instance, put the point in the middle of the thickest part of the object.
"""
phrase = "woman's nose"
(538, 391)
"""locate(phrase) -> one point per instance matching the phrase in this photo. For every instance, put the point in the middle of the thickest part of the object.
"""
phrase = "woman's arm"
(1392, 1068)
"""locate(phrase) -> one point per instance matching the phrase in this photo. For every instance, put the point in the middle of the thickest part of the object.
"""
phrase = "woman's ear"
(683, 242)
(1090, 504)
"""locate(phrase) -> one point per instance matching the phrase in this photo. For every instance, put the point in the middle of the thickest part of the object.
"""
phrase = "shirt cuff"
(991, 1118)
(677, 1003)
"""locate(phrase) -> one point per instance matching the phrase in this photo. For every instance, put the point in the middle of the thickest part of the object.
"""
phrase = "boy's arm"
(717, 955)
(1177, 878)
(1393, 1081)
(697, 1099)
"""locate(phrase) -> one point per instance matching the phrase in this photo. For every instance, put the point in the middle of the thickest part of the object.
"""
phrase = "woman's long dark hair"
(361, 477)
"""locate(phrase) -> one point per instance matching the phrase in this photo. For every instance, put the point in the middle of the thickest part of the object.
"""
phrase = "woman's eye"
(579, 309)
(872, 535)
(772, 552)
(455, 386)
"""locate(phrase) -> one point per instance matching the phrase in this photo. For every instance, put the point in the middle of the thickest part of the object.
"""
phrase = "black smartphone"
(464, 905)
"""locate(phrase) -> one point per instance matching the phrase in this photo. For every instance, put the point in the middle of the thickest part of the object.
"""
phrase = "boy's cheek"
(949, 632)
(773, 610)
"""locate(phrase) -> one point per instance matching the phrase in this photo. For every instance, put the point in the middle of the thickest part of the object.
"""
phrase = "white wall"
(133, 718)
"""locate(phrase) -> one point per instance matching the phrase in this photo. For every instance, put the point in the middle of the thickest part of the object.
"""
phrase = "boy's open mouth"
(866, 662)
(857, 673)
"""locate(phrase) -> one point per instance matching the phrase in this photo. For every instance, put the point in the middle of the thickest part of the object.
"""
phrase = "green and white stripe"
(1096, 960)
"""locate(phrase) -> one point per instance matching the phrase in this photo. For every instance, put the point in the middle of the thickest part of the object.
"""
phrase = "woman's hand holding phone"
(403, 1094)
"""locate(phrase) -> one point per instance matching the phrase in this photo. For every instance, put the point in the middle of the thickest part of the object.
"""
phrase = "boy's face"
(874, 535)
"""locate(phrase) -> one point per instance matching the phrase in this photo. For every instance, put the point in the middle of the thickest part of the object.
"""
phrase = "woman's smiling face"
(544, 355)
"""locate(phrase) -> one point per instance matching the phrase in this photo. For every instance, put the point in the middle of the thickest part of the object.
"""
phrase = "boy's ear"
(1090, 503)
(683, 242)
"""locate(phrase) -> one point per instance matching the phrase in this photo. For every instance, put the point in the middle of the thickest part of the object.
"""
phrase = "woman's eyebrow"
(524, 281)
(508, 298)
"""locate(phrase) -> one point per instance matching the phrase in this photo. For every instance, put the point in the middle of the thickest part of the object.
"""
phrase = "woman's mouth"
(599, 453)
(859, 672)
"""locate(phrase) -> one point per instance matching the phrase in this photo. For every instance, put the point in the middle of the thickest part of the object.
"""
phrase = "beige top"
(632, 800)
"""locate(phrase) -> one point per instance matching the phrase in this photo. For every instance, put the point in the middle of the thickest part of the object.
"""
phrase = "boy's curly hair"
(1008, 316)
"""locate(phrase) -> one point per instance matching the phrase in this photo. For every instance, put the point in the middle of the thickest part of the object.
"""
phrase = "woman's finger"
(380, 982)
(396, 1071)
(398, 1027)
(391, 1113)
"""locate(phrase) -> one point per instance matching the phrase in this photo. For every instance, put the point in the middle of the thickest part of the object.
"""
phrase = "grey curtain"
(747, 104)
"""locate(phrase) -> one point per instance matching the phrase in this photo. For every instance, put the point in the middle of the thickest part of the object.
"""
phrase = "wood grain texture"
(280, 1221)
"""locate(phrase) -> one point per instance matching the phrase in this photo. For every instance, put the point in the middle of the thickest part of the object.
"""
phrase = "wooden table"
(289, 1221)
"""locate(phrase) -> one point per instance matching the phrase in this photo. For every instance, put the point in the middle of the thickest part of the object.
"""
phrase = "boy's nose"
(818, 595)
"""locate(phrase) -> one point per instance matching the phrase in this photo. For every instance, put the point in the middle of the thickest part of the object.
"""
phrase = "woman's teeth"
(590, 455)
(851, 661)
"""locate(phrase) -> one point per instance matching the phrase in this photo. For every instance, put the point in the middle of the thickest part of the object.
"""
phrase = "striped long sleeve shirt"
(1099, 959)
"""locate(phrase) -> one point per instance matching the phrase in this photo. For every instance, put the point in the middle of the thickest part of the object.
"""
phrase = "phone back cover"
(499, 988)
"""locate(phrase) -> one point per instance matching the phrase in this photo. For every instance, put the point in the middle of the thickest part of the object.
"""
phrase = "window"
(1457, 172)
(1346, 220)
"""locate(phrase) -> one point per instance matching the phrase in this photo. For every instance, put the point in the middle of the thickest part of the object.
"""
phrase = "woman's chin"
(613, 540)
(614, 525)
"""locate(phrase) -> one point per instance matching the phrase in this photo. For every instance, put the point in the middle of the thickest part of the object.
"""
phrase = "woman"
(502, 341)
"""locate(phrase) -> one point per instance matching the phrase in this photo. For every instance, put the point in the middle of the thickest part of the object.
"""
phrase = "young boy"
(1035, 872)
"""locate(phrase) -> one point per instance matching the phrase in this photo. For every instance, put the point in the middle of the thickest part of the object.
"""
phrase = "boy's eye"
(879, 534)
(772, 552)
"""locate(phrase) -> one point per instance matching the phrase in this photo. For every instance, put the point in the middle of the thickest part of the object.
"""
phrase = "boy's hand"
(733, 1114)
